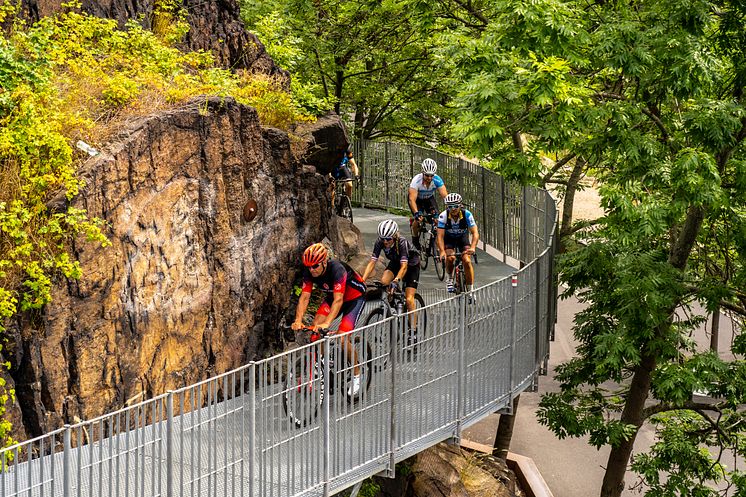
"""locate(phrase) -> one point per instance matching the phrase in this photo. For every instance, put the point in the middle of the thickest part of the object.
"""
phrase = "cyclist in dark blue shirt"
(346, 171)
(455, 226)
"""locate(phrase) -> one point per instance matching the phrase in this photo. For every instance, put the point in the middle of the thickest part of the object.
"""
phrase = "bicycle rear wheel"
(303, 393)
(380, 338)
(345, 207)
(416, 326)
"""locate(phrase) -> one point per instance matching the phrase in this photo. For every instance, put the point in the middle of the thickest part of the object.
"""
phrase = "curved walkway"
(232, 435)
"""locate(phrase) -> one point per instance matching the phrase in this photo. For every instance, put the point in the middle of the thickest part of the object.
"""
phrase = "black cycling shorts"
(461, 243)
(411, 277)
(342, 173)
(428, 205)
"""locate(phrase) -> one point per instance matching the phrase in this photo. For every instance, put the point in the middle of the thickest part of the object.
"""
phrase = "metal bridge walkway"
(231, 435)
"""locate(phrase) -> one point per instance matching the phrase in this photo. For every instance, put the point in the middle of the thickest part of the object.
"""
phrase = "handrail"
(229, 435)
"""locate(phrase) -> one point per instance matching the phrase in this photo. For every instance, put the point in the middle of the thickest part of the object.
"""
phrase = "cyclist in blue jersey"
(345, 171)
(455, 226)
(422, 196)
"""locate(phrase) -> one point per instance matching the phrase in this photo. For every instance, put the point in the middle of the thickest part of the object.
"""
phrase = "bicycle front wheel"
(303, 393)
(459, 283)
(440, 269)
(424, 249)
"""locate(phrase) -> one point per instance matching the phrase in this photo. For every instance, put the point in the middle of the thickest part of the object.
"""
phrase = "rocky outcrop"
(188, 288)
(448, 471)
(319, 144)
(213, 26)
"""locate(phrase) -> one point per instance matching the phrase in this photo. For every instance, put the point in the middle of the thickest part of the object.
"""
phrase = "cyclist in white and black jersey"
(404, 260)
(456, 226)
(422, 195)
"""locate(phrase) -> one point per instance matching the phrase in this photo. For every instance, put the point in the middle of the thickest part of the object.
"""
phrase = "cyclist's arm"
(474, 238)
(339, 298)
(443, 192)
(305, 298)
(353, 167)
(369, 269)
(413, 200)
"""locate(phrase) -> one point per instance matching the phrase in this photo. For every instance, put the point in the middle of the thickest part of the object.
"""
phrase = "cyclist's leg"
(351, 312)
(466, 258)
(387, 276)
(348, 189)
(411, 281)
(322, 312)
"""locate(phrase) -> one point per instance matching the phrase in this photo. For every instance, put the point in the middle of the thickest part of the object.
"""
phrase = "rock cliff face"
(188, 288)
(213, 26)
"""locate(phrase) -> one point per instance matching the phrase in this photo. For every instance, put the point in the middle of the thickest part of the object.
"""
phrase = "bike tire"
(459, 282)
(365, 365)
(424, 250)
(345, 207)
(440, 269)
(303, 393)
(414, 335)
(375, 316)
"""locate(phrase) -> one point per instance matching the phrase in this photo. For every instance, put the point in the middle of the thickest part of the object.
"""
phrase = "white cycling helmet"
(387, 228)
(429, 166)
(453, 199)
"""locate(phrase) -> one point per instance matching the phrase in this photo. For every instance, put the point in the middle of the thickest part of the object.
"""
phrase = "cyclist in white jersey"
(422, 196)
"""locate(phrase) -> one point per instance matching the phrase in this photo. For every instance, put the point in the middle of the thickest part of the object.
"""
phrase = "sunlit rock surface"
(188, 288)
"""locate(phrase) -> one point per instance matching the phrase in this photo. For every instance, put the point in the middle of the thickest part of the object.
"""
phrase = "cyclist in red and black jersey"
(345, 292)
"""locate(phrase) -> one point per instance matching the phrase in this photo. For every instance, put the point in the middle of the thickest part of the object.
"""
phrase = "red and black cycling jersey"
(338, 278)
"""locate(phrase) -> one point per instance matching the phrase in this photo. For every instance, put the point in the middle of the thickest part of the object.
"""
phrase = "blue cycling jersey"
(455, 228)
(425, 191)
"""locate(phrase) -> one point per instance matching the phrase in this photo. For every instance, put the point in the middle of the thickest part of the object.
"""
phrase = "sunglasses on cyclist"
(453, 207)
(429, 175)
(315, 266)
(387, 238)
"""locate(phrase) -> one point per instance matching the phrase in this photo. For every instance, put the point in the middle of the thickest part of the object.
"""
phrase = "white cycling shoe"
(355, 387)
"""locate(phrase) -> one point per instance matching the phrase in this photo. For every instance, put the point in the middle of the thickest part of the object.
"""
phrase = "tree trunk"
(639, 389)
(505, 432)
(715, 335)
(569, 202)
(616, 467)
(339, 80)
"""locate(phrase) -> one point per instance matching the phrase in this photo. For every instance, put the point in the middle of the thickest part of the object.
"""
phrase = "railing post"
(325, 418)
(170, 444)
(523, 235)
(411, 161)
(503, 220)
(361, 185)
(66, 469)
(386, 171)
(393, 440)
(540, 346)
(252, 427)
(513, 328)
(487, 231)
(461, 367)
(461, 177)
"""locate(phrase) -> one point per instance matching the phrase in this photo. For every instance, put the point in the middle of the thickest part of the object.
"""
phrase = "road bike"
(305, 385)
(428, 248)
(458, 276)
(342, 203)
(393, 303)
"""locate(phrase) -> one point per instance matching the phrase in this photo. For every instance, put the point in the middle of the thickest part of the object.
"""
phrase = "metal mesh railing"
(287, 426)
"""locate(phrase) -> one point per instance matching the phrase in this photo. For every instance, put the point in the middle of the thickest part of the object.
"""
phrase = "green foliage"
(74, 76)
